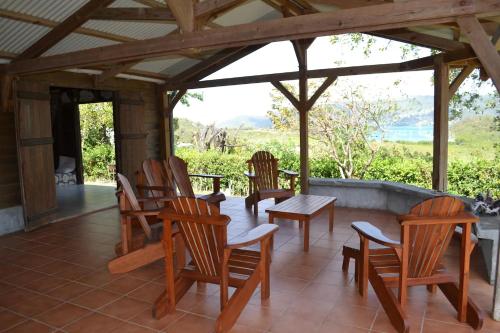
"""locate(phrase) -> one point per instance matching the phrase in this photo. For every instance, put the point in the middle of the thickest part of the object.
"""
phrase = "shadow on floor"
(78, 200)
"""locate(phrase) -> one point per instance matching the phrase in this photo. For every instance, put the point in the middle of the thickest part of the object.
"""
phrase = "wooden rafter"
(51, 24)
(380, 17)
(113, 71)
(134, 14)
(295, 102)
(483, 47)
(464, 73)
(63, 29)
(183, 11)
(420, 39)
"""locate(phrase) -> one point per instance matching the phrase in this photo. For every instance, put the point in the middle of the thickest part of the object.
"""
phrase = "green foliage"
(465, 178)
(96, 125)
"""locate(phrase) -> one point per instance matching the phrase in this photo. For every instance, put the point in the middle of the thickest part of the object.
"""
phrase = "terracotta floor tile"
(132, 328)
(69, 290)
(73, 272)
(34, 305)
(9, 319)
(14, 296)
(46, 284)
(330, 327)
(125, 308)
(99, 278)
(95, 323)
(258, 317)
(145, 318)
(95, 298)
(432, 326)
(192, 323)
(31, 327)
(352, 316)
(148, 292)
(124, 285)
(62, 315)
(238, 328)
(383, 324)
(8, 270)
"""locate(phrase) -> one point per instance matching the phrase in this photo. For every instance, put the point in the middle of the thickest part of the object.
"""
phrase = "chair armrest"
(253, 236)
(289, 173)
(462, 217)
(373, 233)
(145, 212)
(201, 175)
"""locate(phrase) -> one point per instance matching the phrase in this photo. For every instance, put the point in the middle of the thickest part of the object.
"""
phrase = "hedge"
(464, 178)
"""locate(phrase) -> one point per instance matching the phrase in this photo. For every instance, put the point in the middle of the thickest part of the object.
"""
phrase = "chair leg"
(255, 204)
(162, 305)
(389, 302)
(431, 288)
(345, 264)
(265, 288)
(474, 314)
(237, 303)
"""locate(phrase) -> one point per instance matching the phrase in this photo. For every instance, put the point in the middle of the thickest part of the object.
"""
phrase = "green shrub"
(96, 160)
(465, 178)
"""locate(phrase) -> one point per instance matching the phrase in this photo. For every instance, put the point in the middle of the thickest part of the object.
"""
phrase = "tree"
(469, 97)
(350, 127)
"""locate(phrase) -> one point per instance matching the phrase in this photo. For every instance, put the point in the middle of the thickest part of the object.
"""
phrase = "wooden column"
(440, 144)
(300, 47)
(166, 104)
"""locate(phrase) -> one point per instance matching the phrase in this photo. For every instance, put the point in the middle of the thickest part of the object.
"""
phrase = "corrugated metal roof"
(157, 66)
(56, 10)
(76, 42)
(248, 12)
(17, 36)
(136, 30)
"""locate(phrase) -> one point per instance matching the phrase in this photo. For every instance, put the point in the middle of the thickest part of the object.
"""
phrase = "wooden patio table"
(303, 208)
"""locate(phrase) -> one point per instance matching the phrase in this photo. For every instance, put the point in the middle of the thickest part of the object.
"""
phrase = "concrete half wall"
(371, 194)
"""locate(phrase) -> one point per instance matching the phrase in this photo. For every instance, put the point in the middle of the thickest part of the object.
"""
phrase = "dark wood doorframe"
(98, 97)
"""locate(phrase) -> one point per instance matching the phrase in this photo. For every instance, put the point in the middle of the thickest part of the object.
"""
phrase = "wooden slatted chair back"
(204, 231)
(180, 174)
(428, 242)
(266, 170)
(157, 173)
(132, 202)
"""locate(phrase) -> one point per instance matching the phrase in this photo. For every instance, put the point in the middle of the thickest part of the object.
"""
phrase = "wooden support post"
(5, 92)
(300, 47)
(440, 143)
(466, 71)
(166, 104)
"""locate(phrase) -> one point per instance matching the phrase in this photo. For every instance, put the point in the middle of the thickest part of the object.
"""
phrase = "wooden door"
(35, 153)
(131, 143)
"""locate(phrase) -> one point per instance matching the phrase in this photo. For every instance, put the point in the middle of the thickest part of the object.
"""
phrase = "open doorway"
(83, 128)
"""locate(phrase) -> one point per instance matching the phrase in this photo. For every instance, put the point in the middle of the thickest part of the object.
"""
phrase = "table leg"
(330, 217)
(306, 235)
(271, 221)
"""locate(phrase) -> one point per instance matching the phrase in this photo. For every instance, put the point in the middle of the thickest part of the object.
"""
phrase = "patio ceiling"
(28, 29)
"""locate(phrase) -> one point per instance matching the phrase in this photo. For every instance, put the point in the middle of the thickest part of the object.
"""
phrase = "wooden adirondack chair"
(416, 260)
(180, 175)
(141, 232)
(214, 259)
(263, 174)
(155, 180)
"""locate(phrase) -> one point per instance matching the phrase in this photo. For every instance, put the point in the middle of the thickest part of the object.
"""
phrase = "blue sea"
(407, 133)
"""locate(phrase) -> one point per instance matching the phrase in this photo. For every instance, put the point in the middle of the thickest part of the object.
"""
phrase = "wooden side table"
(303, 208)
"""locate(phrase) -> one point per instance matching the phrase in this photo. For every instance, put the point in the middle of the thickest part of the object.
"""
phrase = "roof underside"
(23, 22)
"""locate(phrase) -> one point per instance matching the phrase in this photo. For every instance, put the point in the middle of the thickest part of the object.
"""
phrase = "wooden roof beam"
(63, 29)
(371, 18)
(425, 63)
(134, 14)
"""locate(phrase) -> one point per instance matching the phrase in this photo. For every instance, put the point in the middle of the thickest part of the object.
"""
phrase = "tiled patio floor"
(55, 279)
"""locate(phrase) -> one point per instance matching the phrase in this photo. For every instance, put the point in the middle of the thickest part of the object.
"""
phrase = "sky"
(254, 99)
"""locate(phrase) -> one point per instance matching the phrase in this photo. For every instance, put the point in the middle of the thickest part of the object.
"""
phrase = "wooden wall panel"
(35, 153)
(10, 193)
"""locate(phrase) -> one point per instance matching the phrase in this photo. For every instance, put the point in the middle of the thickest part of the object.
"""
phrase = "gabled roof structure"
(165, 41)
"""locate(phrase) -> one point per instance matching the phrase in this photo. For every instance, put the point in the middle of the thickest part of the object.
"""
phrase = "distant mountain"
(246, 121)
